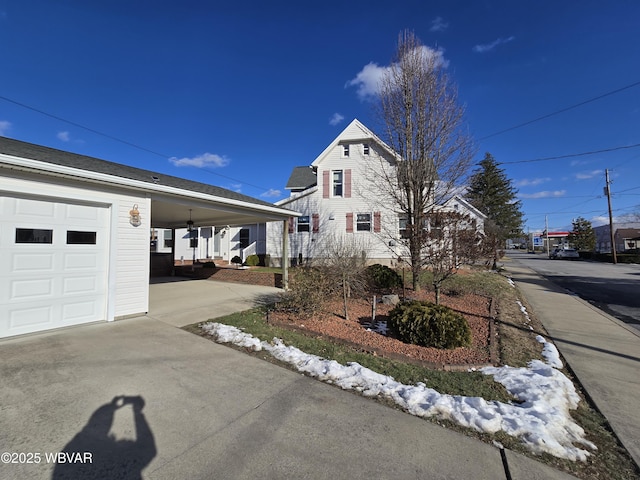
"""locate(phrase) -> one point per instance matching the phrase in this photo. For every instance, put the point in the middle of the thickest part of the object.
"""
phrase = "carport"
(75, 233)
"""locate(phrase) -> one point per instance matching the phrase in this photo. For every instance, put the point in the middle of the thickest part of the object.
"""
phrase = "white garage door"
(53, 264)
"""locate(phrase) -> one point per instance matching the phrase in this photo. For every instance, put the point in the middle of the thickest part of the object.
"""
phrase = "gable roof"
(355, 131)
(17, 148)
(223, 205)
(302, 178)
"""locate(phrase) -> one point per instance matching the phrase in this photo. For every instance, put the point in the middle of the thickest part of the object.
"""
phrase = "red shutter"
(290, 224)
(376, 221)
(347, 183)
(315, 226)
(349, 222)
(325, 184)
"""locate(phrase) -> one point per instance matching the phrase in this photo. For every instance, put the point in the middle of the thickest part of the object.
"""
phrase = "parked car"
(570, 253)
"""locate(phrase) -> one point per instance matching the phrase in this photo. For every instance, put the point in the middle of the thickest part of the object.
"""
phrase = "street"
(614, 289)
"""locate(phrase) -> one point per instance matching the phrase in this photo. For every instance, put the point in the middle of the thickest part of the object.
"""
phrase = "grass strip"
(473, 384)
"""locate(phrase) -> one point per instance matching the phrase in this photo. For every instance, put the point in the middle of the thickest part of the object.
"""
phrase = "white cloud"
(201, 161)
(236, 187)
(5, 126)
(64, 136)
(487, 47)
(588, 175)
(368, 79)
(271, 193)
(335, 119)
(575, 163)
(544, 194)
(525, 182)
(438, 25)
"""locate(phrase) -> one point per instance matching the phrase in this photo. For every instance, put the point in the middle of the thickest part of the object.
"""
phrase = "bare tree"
(423, 124)
(452, 240)
(345, 260)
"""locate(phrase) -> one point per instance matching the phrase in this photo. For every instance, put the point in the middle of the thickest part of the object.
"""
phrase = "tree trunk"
(345, 287)
(437, 290)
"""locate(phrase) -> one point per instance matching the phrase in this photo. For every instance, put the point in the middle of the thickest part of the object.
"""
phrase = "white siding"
(366, 195)
(132, 257)
(128, 291)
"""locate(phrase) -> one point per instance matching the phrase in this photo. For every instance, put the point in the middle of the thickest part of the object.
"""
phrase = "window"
(33, 235)
(363, 222)
(75, 237)
(365, 149)
(244, 238)
(345, 150)
(303, 223)
(337, 183)
(403, 223)
(168, 239)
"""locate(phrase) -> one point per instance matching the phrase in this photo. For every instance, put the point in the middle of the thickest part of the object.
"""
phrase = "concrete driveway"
(140, 397)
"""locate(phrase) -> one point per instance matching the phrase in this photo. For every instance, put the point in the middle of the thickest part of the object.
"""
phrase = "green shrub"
(429, 325)
(208, 265)
(252, 260)
(383, 277)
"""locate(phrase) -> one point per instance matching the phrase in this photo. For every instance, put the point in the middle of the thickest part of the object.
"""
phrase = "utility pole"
(607, 192)
(546, 231)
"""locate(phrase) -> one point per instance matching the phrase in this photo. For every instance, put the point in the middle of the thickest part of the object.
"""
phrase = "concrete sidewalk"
(195, 409)
(603, 352)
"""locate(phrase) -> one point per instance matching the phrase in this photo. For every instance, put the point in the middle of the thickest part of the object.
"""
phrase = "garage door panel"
(83, 285)
(60, 283)
(74, 313)
(24, 207)
(81, 261)
(31, 319)
(32, 262)
(80, 212)
(31, 289)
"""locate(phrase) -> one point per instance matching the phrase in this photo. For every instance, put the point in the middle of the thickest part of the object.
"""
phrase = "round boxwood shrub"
(383, 277)
(429, 325)
(252, 260)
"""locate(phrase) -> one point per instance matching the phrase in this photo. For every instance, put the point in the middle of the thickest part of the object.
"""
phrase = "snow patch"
(541, 421)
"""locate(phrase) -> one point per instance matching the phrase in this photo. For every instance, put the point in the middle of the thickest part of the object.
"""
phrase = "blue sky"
(237, 96)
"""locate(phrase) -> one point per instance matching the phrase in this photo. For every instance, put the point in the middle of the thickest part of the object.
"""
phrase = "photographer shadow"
(94, 453)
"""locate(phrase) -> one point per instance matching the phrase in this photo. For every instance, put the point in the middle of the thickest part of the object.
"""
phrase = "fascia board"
(53, 169)
(297, 196)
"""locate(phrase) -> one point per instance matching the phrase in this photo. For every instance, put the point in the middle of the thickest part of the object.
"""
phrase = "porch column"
(285, 254)
(173, 251)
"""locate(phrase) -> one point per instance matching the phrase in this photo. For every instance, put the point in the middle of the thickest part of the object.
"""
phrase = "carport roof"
(172, 197)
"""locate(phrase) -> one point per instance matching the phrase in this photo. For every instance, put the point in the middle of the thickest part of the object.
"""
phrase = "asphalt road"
(612, 288)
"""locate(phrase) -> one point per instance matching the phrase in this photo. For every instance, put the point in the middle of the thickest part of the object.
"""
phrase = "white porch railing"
(249, 250)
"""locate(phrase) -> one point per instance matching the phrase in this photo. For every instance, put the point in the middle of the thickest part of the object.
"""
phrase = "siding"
(132, 256)
(128, 291)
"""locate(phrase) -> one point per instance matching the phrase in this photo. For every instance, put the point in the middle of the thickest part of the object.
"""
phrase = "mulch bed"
(356, 332)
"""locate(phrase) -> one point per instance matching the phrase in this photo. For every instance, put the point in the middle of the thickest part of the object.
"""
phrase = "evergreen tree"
(491, 192)
(582, 236)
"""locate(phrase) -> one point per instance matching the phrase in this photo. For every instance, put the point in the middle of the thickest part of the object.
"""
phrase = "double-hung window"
(345, 150)
(365, 149)
(303, 223)
(337, 183)
(363, 222)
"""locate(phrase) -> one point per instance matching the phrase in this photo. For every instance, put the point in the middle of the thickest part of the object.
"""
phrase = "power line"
(116, 139)
(561, 110)
(592, 152)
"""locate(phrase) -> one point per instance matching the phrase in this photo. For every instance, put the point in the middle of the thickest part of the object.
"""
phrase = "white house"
(211, 243)
(339, 196)
(74, 233)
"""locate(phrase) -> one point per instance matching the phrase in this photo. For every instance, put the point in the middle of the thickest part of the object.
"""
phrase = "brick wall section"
(250, 277)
